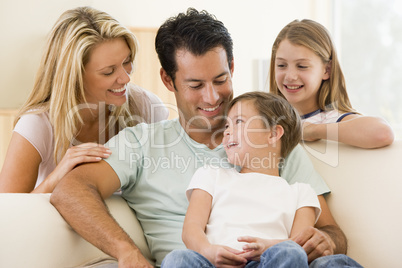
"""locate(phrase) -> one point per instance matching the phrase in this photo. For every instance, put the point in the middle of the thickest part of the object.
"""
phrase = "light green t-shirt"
(155, 164)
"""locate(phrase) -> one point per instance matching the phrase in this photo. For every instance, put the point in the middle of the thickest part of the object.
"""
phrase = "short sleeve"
(307, 198)
(299, 168)
(126, 154)
(204, 178)
(37, 129)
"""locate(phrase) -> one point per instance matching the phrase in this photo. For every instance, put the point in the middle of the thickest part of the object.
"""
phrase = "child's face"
(246, 136)
(299, 73)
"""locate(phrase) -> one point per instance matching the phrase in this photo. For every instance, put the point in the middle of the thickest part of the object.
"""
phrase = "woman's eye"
(302, 66)
(238, 121)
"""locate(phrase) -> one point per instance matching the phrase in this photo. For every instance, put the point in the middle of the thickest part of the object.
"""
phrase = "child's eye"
(302, 67)
(238, 121)
(226, 126)
(280, 65)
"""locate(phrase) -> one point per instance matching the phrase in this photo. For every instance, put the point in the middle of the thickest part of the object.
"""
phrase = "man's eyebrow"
(199, 80)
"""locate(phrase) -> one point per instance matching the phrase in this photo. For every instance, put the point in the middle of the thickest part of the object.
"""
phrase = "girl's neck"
(306, 108)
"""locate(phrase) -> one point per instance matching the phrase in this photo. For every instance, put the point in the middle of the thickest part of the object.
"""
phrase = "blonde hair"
(58, 87)
(275, 110)
(312, 35)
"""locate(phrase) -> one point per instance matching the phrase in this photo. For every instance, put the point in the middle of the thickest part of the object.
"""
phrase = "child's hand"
(256, 246)
(253, 249)
(223, 256)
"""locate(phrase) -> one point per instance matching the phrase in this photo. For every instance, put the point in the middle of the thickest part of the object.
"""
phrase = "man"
(153, 164)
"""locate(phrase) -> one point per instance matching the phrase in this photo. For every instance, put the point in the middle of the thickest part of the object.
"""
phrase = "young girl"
(244, 217)
(306, 71)
(80, 99)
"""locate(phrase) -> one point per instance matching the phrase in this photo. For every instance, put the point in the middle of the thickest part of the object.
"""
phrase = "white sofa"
(365, 200)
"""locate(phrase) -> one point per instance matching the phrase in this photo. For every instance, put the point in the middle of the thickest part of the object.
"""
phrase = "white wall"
(253, 24)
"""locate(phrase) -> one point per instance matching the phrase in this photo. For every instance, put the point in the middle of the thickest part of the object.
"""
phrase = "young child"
(306, 71)
(246, 215)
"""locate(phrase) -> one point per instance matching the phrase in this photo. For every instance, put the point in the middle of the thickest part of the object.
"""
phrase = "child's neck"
(262, 170)
(306, 108)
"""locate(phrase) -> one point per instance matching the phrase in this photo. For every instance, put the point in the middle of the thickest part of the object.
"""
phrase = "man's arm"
(325, 238)
(79, 199)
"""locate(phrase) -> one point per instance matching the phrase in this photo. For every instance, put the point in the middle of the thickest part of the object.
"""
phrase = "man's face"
(203, 89)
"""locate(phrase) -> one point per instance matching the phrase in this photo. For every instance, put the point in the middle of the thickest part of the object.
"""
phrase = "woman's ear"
(167, 80)
(328, 69)
(275, 134)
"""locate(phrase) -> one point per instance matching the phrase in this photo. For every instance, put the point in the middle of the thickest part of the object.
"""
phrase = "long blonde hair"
(58, 87)
(312, 35)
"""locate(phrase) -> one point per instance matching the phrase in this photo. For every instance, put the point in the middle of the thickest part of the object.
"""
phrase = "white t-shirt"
(37, 129)
(155, 164)
(324, 117)
(250, 204)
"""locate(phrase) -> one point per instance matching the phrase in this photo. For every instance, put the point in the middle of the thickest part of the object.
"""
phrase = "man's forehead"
(210, 65)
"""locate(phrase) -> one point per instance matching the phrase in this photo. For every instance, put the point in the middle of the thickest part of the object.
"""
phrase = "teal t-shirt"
(155, 164)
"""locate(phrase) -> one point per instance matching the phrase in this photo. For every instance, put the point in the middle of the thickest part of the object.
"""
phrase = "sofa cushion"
(33, 233)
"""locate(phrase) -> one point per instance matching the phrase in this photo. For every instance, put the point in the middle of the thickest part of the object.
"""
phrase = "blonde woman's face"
(299, 73)
(107, 73)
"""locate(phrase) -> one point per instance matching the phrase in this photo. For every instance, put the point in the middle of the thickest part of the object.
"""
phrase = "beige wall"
(24, 25)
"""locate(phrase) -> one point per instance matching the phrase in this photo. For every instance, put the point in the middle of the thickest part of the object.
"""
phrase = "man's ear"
(328, 70)
(275, 134)
(232, 68)
(167, 80)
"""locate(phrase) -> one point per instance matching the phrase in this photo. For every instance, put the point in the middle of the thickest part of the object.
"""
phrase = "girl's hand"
(223, 256)
(83, 153)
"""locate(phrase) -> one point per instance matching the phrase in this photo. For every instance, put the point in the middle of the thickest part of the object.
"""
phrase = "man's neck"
(212, 138)
(209, 139)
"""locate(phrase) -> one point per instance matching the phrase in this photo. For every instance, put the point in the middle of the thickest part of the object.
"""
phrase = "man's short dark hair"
(194, 31)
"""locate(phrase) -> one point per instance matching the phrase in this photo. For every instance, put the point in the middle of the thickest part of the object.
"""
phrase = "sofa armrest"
(365, 199)
(33, 233)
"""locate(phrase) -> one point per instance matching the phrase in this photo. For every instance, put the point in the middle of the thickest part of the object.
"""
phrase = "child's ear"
(327, 73)
(275, 134)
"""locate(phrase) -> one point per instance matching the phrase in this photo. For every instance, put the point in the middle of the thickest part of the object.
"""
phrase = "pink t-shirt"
(36, 128)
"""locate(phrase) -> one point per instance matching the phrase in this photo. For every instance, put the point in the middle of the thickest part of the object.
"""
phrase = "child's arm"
(194, 236)
(356, 130)
(304, 217)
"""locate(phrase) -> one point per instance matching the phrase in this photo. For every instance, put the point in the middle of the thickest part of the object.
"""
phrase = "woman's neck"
(95, 122)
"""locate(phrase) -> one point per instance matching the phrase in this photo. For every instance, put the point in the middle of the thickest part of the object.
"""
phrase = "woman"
(81, 98)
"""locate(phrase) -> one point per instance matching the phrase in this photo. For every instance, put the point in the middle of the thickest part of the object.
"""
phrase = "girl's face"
(246, 137)
(107, 73)
(299, 73)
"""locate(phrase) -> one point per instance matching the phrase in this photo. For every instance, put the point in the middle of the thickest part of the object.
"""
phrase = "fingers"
(314, 242)
(227, 257)
(247, 239)
(88, 152)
